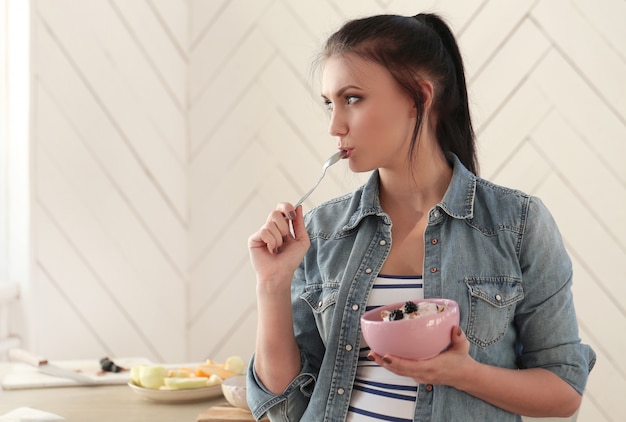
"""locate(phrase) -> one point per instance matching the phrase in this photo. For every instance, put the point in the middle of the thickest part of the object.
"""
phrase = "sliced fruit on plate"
(208, 369)
(181, 373)
(151, 376)
(210, 373)
(186, 383)
(235, 364)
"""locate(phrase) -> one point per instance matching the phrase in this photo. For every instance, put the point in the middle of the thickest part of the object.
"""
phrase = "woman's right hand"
(276, 251)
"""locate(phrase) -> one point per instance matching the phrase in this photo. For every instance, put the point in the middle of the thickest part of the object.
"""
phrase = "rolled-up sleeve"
(546, 319)
(293, 401)
(287, 406)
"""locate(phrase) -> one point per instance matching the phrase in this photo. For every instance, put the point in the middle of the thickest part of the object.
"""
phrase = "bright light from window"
(14, 140)
(3, 142)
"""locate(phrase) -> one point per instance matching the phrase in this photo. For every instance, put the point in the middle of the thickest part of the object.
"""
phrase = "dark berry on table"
(108, 365)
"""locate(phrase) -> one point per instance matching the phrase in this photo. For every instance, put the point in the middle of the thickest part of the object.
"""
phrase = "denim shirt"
(494, 250)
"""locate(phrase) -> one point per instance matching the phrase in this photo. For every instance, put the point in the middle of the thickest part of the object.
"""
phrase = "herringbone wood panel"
(165, 130)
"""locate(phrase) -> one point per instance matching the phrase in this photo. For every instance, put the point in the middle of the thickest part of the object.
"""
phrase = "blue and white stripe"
(378, 394)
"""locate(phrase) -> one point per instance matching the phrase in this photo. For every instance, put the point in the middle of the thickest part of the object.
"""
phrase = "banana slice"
(185, 383)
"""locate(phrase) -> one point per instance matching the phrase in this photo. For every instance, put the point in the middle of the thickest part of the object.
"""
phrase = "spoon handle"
(306, 195)
(331, 160)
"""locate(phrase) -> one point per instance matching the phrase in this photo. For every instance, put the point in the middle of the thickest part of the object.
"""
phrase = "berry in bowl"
(414, 330)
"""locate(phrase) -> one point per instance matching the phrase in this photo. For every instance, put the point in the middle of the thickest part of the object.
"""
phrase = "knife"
(42, 364)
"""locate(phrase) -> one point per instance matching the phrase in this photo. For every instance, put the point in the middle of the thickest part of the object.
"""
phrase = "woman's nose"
(338, 126)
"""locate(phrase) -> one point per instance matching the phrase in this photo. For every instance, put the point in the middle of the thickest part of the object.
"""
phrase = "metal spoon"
(331, 160)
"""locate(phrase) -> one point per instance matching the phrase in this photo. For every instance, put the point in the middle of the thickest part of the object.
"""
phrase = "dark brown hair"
(412, 49)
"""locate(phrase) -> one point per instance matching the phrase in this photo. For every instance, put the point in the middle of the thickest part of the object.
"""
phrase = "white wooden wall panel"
(165, 131)
(479, 45)
(228, 86)
(113, 127)
(489, 88)
(315, 19)
(607, 18)
(578, 40)
(78, 197)
(174, 17)
(123, 106)
(218, 41)
(596, 120)
(202, 14)
(65, 323)
(119, 166)
(163, 54)
(212, 169)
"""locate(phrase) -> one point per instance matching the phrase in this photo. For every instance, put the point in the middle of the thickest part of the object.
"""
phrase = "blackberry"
(410, 307)
(108, 365)
(396, 315)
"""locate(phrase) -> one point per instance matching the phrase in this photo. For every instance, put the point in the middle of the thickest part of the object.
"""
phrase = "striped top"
(378, 394)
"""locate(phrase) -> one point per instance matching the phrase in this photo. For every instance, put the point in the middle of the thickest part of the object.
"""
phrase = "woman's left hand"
(444, 369)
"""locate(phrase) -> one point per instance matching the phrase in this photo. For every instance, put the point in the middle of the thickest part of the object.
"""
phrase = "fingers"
(289, 212)
(457, 333)
(435, 370)
(384, 361)
(299, 228)
(277, 230)
(459, 340)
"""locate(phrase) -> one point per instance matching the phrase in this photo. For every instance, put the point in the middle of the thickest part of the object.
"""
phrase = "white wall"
(165, 130)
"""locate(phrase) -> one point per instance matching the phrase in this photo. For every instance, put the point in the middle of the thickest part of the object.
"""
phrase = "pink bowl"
(419, 338)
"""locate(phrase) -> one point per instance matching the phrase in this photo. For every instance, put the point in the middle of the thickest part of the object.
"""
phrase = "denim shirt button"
(498, 297)
(368, 271)
(348, 347)
(433, 270)
(382, 242)
(340, 391)
(429, 387)
(320, 303)
(355, 307)
(434, 241)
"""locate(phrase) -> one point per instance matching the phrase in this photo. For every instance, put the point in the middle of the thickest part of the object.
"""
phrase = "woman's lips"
(347, 152)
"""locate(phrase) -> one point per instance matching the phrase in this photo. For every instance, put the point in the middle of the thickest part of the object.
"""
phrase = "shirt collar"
(458, 201)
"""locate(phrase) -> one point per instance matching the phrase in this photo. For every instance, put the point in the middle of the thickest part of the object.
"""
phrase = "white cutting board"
(21, 375)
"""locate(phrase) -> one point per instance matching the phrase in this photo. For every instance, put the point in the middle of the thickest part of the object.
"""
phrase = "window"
(14, 167)
(14, 141)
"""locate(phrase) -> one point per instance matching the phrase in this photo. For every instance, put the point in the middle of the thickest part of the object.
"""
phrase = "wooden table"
(103, 404)
(106, 403)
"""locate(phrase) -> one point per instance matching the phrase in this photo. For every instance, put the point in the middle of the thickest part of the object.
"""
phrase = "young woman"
(424, 225)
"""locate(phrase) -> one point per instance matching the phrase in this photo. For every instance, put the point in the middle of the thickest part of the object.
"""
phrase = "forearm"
(530, 392)
(277, 356)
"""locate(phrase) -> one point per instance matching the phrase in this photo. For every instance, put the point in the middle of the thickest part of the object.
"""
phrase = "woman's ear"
(426, 94)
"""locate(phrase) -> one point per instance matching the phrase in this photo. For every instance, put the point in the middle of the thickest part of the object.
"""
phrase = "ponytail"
(454, 129)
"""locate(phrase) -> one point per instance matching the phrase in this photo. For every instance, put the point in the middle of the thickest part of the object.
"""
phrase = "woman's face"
(372, 118)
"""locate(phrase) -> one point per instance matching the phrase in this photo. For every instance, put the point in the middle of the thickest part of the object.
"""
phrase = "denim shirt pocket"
(492, 302)
(322, 298)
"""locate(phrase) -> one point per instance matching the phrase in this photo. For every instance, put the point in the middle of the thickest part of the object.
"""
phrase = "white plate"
(178, 396)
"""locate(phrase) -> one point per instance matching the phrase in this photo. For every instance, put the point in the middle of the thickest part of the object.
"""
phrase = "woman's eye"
(351, 99)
